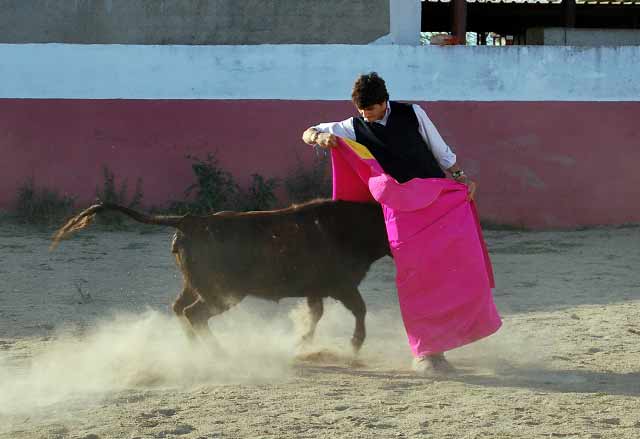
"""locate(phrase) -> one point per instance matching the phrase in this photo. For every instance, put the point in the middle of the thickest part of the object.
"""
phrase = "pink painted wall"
(539, 164)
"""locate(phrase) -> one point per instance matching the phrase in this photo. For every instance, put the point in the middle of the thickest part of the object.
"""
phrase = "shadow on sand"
(533, 378)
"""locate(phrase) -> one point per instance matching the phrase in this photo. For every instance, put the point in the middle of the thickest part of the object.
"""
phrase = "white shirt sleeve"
(441, 151)
(342, 129)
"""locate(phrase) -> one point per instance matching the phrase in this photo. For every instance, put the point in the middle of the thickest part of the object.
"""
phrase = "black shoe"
(435, 365)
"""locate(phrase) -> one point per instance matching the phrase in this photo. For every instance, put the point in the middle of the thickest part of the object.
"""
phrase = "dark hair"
(369, 90)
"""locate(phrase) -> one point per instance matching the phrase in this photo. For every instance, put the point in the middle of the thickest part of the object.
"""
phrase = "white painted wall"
(405, 21)
(323, 72)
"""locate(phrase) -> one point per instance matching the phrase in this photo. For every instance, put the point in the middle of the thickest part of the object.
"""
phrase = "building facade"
(550, 133)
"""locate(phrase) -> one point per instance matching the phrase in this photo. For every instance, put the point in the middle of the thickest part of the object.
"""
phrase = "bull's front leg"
(198, 315)
(185, 299)
(206, 307)
(316, 309)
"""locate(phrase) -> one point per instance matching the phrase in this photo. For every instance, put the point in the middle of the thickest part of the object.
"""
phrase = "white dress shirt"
(441, 151)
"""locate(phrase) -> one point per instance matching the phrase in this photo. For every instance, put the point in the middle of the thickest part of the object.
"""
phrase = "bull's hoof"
(304, 342)
(356, 344)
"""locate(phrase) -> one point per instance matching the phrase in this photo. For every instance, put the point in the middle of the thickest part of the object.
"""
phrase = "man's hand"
(327, 140)
(313, 137)
(473, 186)
(459, 176)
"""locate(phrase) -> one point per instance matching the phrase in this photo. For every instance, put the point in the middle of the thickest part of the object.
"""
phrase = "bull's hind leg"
(316, 309)
(352, 300)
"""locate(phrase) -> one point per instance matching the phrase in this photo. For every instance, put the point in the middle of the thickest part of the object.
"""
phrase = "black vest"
(398, 146)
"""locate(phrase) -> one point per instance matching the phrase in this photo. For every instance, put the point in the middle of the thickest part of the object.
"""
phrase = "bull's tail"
(86, 217)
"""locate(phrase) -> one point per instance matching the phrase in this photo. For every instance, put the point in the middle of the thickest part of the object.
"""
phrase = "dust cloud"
(256, 342)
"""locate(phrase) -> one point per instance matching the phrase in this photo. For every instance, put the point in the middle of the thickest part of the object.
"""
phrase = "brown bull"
(315, 250)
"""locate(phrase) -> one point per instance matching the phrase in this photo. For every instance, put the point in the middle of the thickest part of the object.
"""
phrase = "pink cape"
(444, 275)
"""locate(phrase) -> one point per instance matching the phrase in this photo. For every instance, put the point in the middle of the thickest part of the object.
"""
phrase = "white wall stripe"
(322, 72)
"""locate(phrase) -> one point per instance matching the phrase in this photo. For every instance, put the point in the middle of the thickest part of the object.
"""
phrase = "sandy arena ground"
(89, 350)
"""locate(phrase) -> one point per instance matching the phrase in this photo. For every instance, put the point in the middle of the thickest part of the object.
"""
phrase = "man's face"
(373, 112)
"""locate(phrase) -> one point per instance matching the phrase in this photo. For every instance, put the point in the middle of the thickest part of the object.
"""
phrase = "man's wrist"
(458, 175)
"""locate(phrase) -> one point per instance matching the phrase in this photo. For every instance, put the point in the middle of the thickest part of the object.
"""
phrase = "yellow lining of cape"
(359, 149)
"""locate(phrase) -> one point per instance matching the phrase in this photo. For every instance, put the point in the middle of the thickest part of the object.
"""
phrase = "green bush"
(260, 195)
(214, 189)
(306, 183)
(41, 205)
(110, 193)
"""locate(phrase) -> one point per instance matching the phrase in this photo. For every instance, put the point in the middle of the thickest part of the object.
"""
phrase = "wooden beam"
(513, 18)
(569, 11)
(460, 20)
